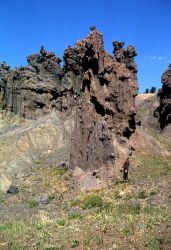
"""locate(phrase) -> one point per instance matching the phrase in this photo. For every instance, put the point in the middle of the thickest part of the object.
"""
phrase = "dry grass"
(114, 218)
(134, 215)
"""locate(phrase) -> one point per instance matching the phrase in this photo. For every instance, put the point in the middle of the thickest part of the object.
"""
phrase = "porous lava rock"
(31, 91)
(99, 89)
(163, 112)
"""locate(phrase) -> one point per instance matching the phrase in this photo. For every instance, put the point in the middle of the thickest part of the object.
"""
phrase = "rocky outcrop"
(97, 88)
(145, 105)
(163, 112)
(31, 91)
(104, 91)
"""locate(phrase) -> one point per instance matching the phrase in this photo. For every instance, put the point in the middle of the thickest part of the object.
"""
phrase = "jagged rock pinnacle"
(94, 86)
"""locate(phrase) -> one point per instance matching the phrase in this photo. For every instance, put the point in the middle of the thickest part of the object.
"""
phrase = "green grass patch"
(33, 203)
(75, 243)
(12, 227)
(38, 225)
(37, 162)
(142, 194)
(13, 245)
(151, 166)
(99, 225)
(163, 140)
(92, 201)
(61, 222)
(76, 203)
(142, 111)
(61, 171)
(154, 192)
(129, 208)
(155, 244)
(75, 216)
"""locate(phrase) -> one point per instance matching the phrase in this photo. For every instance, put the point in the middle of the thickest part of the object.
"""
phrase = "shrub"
(92, 201)
(142, 195)
(75, 215)
(75, 243)
(33, 203)
(129, 209)
(61, 171)
(61, 222)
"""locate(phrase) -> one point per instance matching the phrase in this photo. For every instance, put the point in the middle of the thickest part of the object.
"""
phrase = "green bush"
(61, 222)
(75, 243)
(142, 195)
(133, 209)
(92, 201)
(61, 171)
(74, 216)
(33, 203)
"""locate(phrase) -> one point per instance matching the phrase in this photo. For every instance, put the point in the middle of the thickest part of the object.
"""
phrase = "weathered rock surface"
(163, 112)
(146, 104)
(43, 142)
(30, 91)
(96, 88)
(104, 100)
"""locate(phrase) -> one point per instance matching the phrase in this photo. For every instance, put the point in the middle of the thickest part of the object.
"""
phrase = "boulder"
(13, 189)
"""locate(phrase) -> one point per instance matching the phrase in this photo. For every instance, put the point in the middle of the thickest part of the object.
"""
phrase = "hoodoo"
(97, 88)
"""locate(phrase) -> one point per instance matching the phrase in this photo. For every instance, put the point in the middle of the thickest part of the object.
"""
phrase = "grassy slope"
(136, 215)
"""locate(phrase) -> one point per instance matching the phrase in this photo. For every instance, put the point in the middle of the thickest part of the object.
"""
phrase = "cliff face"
(97, 88)
(31, 91)
(163, 112)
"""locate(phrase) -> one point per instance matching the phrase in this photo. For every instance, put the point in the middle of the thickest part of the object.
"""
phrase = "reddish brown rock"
(31, 91)
(163, 112)
(104, 99)
(97, 88)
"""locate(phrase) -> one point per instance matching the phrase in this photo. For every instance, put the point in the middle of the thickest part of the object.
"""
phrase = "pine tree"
(153, 90)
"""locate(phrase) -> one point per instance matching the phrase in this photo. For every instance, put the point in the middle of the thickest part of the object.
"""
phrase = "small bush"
(142, 195)
(61, 171)
(99, 240)
(154, 192)
(61, 222)
(33, 203)
(38, 225)
(156, 244)
(75, 243)
(74, 216)
(75, 203)
(37, 162)
(136, 209)
(92, 201)
(117, 195)
(129, 209)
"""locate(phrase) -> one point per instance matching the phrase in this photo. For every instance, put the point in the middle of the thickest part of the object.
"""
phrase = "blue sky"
(146, 24)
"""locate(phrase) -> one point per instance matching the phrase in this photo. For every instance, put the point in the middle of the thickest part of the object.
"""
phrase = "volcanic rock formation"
(163, 112)
(97, 88)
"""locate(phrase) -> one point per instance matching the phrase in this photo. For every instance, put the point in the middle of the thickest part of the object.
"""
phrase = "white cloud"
(159, 58)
